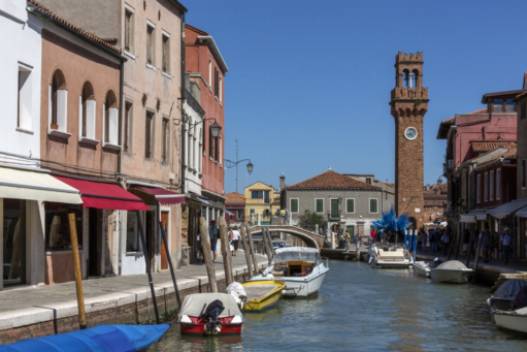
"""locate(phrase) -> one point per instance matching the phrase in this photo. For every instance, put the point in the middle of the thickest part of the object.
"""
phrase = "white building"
(23, 186)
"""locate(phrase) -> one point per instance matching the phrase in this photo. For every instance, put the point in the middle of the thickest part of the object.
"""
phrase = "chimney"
(282, 193)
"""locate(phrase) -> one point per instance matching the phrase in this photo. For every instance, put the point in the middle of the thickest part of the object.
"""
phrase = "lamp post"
(234, 163)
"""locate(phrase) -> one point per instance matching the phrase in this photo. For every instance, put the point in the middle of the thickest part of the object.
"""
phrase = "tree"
(309, 220)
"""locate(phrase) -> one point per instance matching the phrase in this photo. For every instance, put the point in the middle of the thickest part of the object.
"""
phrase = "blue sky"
(309, 81)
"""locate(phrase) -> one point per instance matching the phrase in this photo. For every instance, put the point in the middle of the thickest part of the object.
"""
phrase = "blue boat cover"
(102, 338)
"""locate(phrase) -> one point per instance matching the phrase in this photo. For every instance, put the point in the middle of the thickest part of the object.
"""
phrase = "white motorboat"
(422, 268)
(451, 271)
(504, 296)
(300, 268)
(514, 320)
(389, 257)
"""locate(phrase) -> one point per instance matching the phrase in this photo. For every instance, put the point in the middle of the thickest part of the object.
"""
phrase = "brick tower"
(409, 103)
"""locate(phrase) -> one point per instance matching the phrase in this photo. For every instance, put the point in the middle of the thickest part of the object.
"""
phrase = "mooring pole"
(146, 253)
(207, 255)
(77, 269)
(226, 252)
(246, 250)
(170, 265)
(251, 248)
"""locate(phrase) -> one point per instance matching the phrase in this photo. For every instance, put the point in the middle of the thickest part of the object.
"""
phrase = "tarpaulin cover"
(509, 289)
(103, 338)
(163, 196)
(102, 195)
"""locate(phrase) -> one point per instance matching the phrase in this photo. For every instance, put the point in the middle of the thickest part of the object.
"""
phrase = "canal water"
(365, 309)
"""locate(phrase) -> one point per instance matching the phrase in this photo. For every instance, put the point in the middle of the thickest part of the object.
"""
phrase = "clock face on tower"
(410, 133)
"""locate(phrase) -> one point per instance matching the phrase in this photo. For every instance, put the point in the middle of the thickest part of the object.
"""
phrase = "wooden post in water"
(251, 248)
(77, 270)
(170, 265)
(148, 264)
(226, 252)
(266, 238)
(207, 254)
(246, 250)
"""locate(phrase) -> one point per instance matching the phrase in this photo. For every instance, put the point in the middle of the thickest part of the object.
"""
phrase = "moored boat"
(422, 268)
(451, 271)
(112, 338)
(504, 296)
(210, 314)
(515, 320)
(300, 268)
(262, 294)
(389, 257)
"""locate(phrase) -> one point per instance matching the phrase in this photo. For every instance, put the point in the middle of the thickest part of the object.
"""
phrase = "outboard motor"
(211, 317)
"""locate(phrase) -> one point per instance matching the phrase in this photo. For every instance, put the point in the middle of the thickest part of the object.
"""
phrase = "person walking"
(235, 239)
(506, 245)
(214, 233)
(445, 241)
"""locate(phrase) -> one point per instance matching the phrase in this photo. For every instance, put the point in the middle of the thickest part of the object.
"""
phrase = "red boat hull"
(199, 329)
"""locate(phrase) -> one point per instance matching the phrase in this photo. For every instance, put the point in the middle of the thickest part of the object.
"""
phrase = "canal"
(365, 309)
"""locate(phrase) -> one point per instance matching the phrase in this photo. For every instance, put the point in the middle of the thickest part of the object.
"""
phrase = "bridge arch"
(311, 239)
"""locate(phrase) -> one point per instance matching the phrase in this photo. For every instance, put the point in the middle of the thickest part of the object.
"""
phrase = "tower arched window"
(406, 79)
(111, 119)
(416, 78)
(58, 102)
(87, 110)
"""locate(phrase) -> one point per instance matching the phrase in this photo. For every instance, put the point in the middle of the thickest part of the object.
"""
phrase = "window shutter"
(50, 104)
(81, 132)
(113, 126)
(62, 110)
(91, 111)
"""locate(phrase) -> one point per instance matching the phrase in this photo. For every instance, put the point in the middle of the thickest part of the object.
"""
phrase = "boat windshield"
(288, 256)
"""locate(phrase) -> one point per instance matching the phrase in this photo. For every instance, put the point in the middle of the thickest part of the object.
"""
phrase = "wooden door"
(164, 225)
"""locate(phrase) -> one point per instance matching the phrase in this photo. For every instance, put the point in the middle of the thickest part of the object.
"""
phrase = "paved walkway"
(29, 305)
(498, 267)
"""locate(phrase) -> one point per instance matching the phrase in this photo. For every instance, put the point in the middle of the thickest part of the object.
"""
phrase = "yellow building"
(262, 202)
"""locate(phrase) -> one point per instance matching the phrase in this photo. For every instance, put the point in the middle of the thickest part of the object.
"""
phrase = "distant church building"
(409, 104)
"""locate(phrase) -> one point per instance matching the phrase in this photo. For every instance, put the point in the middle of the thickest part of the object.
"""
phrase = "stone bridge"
(311, 239)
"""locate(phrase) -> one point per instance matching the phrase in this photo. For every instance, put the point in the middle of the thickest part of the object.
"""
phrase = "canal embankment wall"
(120, 301)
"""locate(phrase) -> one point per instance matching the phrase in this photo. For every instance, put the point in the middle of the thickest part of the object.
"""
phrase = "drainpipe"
(182, 81)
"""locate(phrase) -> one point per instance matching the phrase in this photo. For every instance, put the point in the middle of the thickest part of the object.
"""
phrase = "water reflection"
(364, 309)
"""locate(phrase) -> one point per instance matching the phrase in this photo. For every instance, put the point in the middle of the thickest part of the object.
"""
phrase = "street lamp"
(234, 163)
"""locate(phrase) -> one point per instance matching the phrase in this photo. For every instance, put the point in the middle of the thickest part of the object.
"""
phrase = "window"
(319, 205)
(133, 245)
(221, 90)
(260, 194)
(350, 205)
(406, 79)
(214, 146)
(165, 60)
(165, 140)
(127, 137)
(374, 206)
(57, 225)
(58, 103)
(111, 120)
(293, 205)
(498, 184)
(478, 188)
(523, 110)
(491, 185)
(87, 110)
(351, 230)
(24, 98)
(210, 74)
(334, 208)
(150, 44)
(149, 134)
(216, 83)
(129, 30)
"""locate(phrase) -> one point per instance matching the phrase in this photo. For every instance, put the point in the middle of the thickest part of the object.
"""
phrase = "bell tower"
(409, 104)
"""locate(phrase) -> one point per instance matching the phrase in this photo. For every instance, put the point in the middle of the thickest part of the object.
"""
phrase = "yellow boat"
(262, 294)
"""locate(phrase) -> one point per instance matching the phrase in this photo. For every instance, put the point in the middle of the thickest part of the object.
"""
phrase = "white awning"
(509, 208)
(34, 185)
(473, 216)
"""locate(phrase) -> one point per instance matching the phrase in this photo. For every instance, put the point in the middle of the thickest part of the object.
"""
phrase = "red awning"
(102, 195)
(161, 195)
